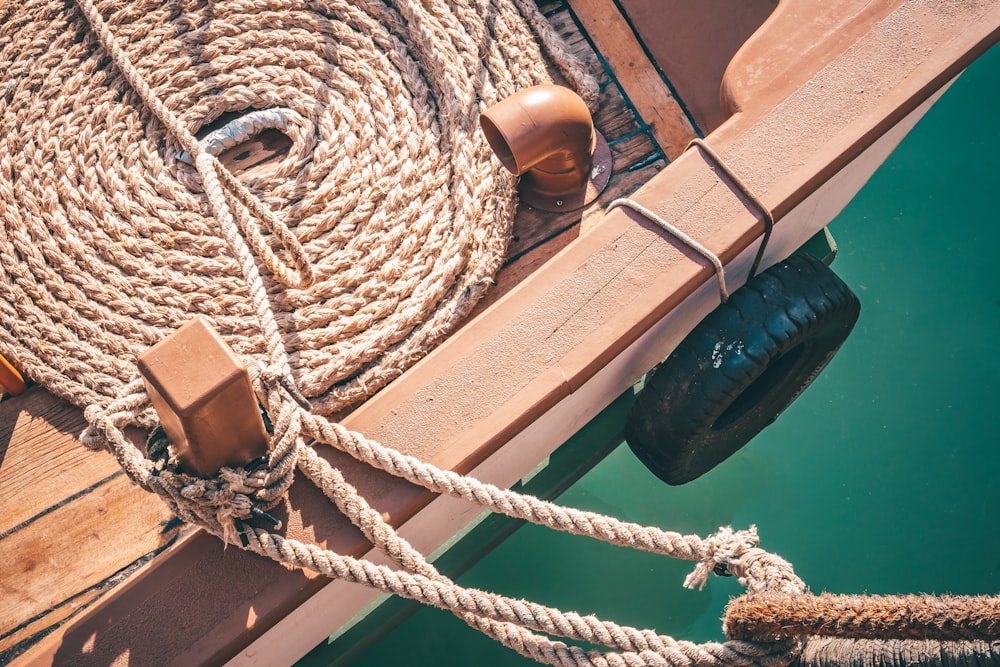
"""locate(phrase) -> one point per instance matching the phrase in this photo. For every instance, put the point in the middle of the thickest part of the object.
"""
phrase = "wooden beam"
(60, 555)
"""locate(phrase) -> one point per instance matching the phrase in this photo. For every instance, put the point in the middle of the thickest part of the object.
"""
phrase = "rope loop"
(214, 175)
(277, 378)
(763, 572)
(232, 205)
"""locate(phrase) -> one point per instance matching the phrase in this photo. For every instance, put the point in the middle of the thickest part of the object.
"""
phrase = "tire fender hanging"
(740, 368)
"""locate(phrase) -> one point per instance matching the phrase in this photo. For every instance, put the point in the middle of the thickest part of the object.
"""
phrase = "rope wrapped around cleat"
(230, 505)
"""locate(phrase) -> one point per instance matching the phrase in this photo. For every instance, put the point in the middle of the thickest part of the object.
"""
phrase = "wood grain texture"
(41, 461)
(65, 553)
(638, 77)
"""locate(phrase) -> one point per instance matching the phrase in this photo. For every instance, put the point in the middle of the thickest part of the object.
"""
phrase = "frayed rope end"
(720, 548)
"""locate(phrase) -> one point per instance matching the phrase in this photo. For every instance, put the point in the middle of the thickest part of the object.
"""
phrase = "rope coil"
(345, 259)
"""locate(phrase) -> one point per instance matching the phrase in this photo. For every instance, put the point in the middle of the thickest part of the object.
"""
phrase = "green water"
(881, 478)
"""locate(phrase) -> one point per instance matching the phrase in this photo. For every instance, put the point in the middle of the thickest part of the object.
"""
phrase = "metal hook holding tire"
(746, 362)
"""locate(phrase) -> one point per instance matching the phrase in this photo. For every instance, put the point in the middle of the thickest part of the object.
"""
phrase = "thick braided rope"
(214, 177)
(885, 617)
(516, 623)
(638, 646)
(116, 226)
(216, 504)
(500, 613)
(647, 538)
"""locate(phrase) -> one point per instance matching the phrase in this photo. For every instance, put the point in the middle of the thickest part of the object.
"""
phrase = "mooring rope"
(231, 504)
(775, 623)
(944, 617)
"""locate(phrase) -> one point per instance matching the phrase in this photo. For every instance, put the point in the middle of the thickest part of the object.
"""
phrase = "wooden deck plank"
(630, 145)
(653, 101)
(10, 642)
(63, 553)
(41, 461)
(534, 228)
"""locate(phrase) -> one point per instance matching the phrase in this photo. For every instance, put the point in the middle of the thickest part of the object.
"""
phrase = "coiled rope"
(373, 236)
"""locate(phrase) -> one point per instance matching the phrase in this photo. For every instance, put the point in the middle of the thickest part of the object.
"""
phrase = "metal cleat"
(202, 393)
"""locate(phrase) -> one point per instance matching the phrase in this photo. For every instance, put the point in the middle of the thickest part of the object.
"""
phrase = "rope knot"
(276, 377)
(718, 550)
(220, 503)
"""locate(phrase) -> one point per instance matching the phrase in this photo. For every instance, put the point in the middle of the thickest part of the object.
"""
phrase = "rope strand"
(519, 506)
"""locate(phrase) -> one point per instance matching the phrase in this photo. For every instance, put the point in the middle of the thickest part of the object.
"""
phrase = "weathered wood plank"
(41, 461)
(534, 228)
(253, 157)
(653, 101)
(630, 143)
(527, 262)
(11, 643)
(76, 546)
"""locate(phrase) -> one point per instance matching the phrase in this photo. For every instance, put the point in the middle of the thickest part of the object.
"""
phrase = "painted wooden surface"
(709, 32)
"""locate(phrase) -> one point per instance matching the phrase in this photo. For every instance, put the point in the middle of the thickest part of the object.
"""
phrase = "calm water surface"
(881, 478)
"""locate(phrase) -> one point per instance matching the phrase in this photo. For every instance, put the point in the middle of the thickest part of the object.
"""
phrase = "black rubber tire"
(740, 368)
